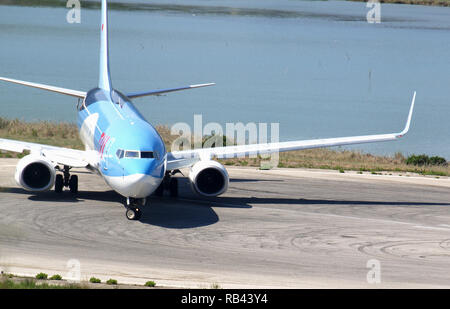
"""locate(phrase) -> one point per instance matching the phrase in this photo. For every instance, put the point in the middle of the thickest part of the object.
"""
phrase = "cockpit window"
(119, 153)
(147, 155)
(95, 95)
(132, 154)
(118, 98)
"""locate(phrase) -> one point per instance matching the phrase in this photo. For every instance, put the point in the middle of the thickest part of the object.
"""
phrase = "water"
(316, 67)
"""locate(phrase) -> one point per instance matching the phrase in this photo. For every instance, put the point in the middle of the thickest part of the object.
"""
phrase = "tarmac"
(280, 228)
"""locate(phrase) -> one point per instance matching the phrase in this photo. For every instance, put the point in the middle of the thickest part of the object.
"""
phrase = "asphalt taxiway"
(283, 228)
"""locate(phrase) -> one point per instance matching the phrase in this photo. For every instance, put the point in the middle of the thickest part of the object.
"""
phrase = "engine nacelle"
(209, 178)
(35, 173)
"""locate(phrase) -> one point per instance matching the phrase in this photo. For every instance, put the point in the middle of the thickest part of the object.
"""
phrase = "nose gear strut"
(133, 206)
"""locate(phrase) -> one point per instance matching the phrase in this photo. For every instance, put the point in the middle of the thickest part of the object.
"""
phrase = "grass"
(94, 280)
(55, 277)
(29, 283)
(9, 281)
(66, 135)
(151, 284)
(215, 286)
(111, 282)
(41, 276)
(346, 160)
(42, 132)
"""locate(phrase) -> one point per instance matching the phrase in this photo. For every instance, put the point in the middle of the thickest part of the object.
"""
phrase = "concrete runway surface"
(284, 228)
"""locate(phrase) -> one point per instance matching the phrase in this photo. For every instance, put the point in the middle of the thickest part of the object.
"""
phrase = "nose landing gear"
(133, 206)
(133, 213)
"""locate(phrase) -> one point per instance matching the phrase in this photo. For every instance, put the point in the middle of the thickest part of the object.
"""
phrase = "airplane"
(127, 151)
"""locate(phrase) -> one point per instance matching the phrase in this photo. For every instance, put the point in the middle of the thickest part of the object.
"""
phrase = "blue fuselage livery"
(131, 154)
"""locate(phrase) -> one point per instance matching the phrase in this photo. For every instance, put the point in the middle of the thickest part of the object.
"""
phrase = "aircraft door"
(117, 158)
(107, 156)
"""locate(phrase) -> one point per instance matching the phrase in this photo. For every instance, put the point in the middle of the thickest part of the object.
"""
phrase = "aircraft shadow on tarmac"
(190, 210)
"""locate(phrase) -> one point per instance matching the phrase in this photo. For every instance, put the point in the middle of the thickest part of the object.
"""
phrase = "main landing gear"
(66, 180)
(133, 206)
(169, 184)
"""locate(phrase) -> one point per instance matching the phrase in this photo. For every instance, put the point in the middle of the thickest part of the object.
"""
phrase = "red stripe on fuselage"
(103, 146)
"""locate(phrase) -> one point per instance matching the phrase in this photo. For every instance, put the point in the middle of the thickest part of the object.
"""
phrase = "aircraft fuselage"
(131, 155)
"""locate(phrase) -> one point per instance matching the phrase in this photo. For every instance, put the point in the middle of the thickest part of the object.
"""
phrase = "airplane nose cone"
(140, 185)
(145, 167)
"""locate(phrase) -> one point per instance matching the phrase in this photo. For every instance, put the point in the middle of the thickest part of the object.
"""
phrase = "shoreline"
(66, 135)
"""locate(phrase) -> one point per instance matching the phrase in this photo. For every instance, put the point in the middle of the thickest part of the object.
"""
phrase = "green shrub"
(421, 160)
(150, 284)
(418, 160)
(94, 280)
(213, 139)
(111, 282)
(55, 277)
(215, 286)
(438, 161)
(41, 276)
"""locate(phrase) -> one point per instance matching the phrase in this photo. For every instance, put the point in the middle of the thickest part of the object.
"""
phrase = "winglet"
(408, 122)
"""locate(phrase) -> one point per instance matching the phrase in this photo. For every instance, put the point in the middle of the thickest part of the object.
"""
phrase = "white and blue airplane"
(127, 151)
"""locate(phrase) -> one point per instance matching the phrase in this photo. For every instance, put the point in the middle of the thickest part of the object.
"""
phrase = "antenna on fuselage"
(105, 77)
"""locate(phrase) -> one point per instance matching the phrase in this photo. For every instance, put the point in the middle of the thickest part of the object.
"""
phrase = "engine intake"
(35, 173)
(209, 178)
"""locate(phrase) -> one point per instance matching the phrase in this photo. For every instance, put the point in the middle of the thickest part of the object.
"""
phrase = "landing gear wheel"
(73, 184)
(160, 190)
(59, 183)
(133, 213)
(173, 187)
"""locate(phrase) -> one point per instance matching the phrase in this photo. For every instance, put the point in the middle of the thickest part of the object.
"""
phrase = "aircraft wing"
(58, 155)
(186, 158)
(162, 91)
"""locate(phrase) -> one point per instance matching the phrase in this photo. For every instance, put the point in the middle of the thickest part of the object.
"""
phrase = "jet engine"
(209, 178)
(35, 173)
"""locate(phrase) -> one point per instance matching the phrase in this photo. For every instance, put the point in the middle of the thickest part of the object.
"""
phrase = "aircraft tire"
(59, 183)
(73, 184)
(133, 213)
